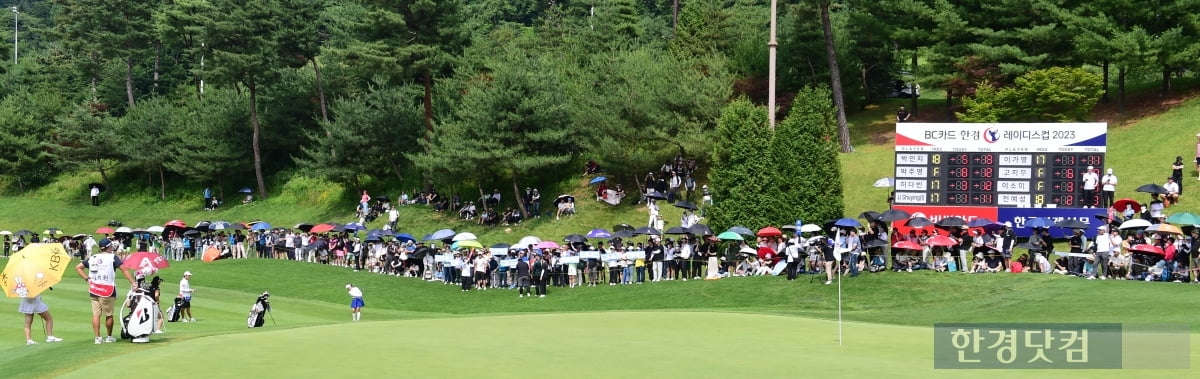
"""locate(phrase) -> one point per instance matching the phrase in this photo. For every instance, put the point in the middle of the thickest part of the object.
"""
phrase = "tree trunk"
(428, 103)
(949, 105)
(1166, 81)
(518, 196)
(157, 59)
(162, 180)
(1104, 98)
(674, 16)
(258, 173)
(835, 78)
(912, 100)
(129, 81)
(1121, 90)
(94, 98)
(866, 83)
(321, 100)
(103, 174)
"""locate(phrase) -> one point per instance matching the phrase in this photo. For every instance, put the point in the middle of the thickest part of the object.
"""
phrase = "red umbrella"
(322, 228)
(941, 241)
(1147, 248)
(1120, 205)
(143, 259)
(769, 231)
(766, 254)
(104, 230)
(907, 245)
(211, 254)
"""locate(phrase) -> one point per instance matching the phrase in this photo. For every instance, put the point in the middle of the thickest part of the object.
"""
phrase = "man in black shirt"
(539, 274)
(1075, 262)
(523, 277)
(902, 115)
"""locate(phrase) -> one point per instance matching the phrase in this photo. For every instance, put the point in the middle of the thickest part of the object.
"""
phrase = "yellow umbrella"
(469, 244)
(1164, 228)
(34, 269)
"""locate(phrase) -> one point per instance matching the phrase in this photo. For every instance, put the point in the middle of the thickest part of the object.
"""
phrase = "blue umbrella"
(381, 232)
(1039, 222)
(246, 190)
(599, 233)
(260, 226)
(741, 230)
(405, 237)
(427, 237)
(353, 226)
(847, 223)
(373, 239)
(979, 222)
(597, 179)
(443, 234)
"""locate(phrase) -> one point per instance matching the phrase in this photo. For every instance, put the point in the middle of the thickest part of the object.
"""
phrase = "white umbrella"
(5, 233)
(809, 228)
(1135, 223)
(123, 229)
(884, 182)
(464, 236)
(155, 229)
(526, 241)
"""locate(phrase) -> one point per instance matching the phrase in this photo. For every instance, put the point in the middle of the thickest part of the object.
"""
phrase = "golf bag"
(173, 312)
(258, 310)
(138, 325)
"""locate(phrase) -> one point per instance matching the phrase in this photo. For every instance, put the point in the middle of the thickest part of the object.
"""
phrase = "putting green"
(601, 344)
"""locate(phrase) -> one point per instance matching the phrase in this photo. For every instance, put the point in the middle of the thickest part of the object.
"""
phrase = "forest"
(471, 93)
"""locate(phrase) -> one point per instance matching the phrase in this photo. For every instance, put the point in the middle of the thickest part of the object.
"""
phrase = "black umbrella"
(950, 222)
(1151, 188)
(422, 251)
(656, 195)
(701, 230)
(566, 198)
(646, 230)
(97, 185)
(686, 205)
(246, 190)
(191, 232)
(623, 234)
(23, 232)
(501, 246)
(1071, 224)
(674, 230)
(1026, 246)
(382, 197)
(304, 227)
(918, 222)
(870, 215)
(891, 215)
(620, 227)
(875, 243)
(575, 238)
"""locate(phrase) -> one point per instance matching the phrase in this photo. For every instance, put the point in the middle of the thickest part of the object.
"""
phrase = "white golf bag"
(257, 311)
(138, 325)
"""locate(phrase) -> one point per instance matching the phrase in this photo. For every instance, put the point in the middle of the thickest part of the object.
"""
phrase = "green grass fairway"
(595, 344)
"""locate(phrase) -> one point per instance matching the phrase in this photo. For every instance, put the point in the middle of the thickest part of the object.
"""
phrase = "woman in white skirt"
(31, 306)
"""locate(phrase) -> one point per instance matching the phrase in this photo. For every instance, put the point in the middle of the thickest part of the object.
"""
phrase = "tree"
(835, 78)
(148, 125)
(704, 29)
(206, 143)
(26, 118)
(804, 151)
(86, 139)
(1055, 94)
(741, 169)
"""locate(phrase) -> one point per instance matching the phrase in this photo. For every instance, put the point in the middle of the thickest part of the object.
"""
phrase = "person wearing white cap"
(1108, 188)
(1008, 238)
(1090, 180)
(1106, 242)
(356, 302)
(185, 292)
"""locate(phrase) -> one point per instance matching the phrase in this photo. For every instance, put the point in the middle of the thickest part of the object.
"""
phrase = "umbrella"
(941, 241)
(597, 179)
(847, 223)
(892, 215)
(575, 238)
(1147, 248)
(80, 236)
(1027, 246)
(260, 226)
(464, 236)
(104, 230)
(467, 244)
(950, 222)
(155, 229)
(97, 185)
(729, 236)
(741, 230)
(562, 198)
(620, 227)
(700, 230)
(211, 254)
(142, 259)
(443, 234)
(124, 229)
(304, 227)
(885, 182)
(875, 243)
(245, 190)
(219, 225)
(748, 251)
(1184, 218)
(427, 237)
(676, 230)
(501, 246)
(980, 222)
(1071, 224)
(381, 232)
(623, 234)
(869, 215)
(35, 268)
(910, 245)
(371, 238)
(52, 231)
(647, 230)
(656, 195)
(322, 228)
(1039, 222)
(175, 223)
(1164, 228)
(1135, 223)
(24, 232)
(918, 222)
(191, 232)
(404, 237)
(770, 231)
(5, 233)
(546, 245)
(1122, 204)
(526, 241)
(354, 227)
(599, 233)
(1151, 188)
(686, 205)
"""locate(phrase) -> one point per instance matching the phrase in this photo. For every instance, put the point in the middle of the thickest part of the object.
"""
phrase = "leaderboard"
(997, 165)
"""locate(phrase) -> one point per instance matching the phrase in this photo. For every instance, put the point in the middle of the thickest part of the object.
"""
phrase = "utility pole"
(771, 45)
(16, 13)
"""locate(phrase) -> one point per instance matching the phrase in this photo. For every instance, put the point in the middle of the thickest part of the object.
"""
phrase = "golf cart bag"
(258, 310)
(138, 324)
(173, 312)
